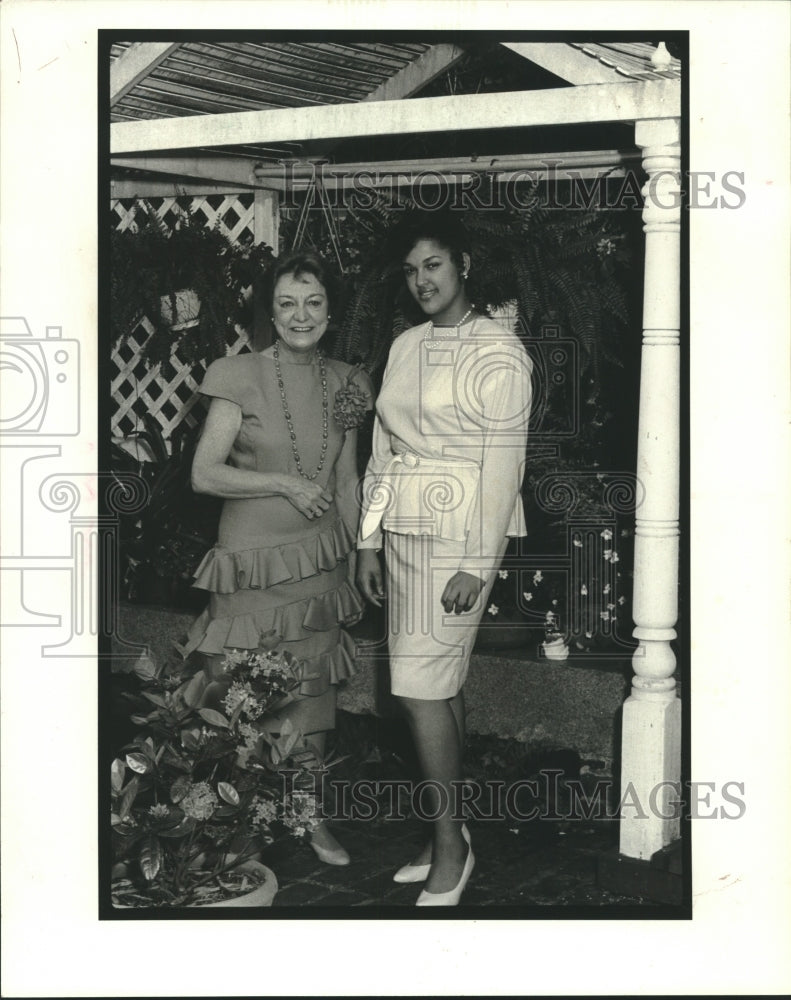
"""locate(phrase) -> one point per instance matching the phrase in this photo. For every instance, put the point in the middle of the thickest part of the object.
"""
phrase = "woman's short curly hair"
(297, 263)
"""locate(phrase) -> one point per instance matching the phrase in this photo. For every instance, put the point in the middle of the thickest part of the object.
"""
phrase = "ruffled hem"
(321, 672)
(223, 571)
(288, 622)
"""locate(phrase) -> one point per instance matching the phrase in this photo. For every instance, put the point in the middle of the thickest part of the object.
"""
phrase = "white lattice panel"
(169, 392)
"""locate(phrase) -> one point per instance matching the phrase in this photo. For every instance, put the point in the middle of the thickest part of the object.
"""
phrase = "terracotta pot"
(555, 650)
(261, 896)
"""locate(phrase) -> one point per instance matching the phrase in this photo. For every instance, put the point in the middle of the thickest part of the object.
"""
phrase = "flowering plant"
(576, 611)
(351, 402)
(198, 791)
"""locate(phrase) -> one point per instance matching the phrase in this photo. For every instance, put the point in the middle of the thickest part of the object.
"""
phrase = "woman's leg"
(435, 730)
(457, 707)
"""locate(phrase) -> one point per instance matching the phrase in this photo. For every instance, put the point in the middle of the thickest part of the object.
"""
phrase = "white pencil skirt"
(429, 649)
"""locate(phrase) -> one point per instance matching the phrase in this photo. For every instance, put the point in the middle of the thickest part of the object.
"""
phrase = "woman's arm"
(503, 428)
(506, 399)
(346, 480)
(211, 474)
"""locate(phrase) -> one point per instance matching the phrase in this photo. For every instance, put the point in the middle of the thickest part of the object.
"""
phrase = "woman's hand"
(369, 576)
(461, 592)
(309, 498)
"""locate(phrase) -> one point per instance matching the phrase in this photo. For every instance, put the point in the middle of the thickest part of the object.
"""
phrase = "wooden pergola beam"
(622, 102)
(565, 61)
(227, 170)
(134, 64)
(417, 74)
(169, 174)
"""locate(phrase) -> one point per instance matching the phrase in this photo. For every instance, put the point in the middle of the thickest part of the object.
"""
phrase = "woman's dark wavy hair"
(444, 227)
(297, 263)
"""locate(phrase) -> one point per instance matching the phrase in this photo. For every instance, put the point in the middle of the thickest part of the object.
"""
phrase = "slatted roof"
(213, 78)
(630, 59)
(160, 81)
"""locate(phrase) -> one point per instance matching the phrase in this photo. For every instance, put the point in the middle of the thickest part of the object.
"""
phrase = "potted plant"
(198, 793)
(190, 282)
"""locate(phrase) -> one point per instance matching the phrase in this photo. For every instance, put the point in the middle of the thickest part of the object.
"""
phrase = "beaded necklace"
(430, 334)
(325, 422)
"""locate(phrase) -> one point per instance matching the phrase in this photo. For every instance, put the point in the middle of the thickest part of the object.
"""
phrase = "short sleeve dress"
(273, 568)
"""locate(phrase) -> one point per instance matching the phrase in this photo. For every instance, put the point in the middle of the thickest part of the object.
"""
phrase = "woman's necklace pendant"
(325, 412)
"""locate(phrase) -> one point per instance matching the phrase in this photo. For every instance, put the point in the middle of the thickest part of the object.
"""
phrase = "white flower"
(555, 603)
(622, 599)
(527, 595)
(605, 616)
(606, 589)
(584, 590)
(503, 574)
(537, 576)
(606, 534)
(614, 557)
(234, 657)
(550, 616)
(610, 607)
(577, 542)
(493, 610)
(607, 554)
(589, 635)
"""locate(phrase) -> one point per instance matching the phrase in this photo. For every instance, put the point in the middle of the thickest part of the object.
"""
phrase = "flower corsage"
(351, 402)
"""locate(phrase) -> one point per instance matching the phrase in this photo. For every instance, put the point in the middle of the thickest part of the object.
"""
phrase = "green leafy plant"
(200, 790)
(151, 266)
(563, 268)
(161, 545)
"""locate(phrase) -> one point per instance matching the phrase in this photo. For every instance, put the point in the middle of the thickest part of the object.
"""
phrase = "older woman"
(442, 493)
(286, 469)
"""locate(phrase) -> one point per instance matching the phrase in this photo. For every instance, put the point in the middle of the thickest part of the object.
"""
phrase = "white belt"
(416, 494)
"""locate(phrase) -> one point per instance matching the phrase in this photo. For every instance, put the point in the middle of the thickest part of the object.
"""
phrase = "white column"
(266, 217)
(651, 743)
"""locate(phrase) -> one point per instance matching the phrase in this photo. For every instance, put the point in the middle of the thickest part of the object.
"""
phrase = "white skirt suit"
(442, 489)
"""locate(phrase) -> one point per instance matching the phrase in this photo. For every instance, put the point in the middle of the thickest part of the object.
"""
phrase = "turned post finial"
(661, 57)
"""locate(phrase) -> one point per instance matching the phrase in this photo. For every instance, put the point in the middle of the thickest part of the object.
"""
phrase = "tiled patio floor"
(556, 868)
(541, 868)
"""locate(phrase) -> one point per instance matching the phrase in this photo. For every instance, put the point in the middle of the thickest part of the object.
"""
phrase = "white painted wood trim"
(566, 62)
(623, 102)
(417, 74)
(651, 740)
(135, 64)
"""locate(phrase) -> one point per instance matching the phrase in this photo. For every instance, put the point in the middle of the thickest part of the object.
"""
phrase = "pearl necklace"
(325, 422)
(430, 335)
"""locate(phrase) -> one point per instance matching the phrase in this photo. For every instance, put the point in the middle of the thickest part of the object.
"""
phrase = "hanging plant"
(189, 283)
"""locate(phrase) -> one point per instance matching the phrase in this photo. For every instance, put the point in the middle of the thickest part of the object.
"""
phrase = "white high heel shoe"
(419, 873)
(452, 897)
(330, 855)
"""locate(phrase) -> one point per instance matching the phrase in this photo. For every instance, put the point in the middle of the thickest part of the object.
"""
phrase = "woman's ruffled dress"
(273, 573)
